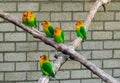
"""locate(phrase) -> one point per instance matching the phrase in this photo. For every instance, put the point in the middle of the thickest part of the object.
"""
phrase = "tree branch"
(69, 50)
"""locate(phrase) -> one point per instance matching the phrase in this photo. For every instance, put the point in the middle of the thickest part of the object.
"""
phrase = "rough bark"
(67, 50)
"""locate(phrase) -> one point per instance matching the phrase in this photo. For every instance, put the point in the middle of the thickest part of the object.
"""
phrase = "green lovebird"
(46, 66)
(80, 30)
(48, 28)
(58, 35)
(29, 19)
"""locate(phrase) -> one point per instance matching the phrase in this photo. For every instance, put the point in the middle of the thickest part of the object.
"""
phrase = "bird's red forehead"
(41, 56)
(25, 13)
(42, 23)
(78, 23)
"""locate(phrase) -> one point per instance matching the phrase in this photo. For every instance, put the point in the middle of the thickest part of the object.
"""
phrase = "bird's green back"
(46, 68)
(83, 31)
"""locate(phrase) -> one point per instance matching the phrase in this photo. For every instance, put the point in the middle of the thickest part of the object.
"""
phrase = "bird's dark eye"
(40, 56)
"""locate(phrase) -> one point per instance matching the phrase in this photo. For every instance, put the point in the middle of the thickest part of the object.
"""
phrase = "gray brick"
(37, 0)
(1, 36)
(27, 82)
(104, 16)
(72, 6)
(1, 76)
(15, 37)
(67, 36)
(116, 53)
(17, 15)
(91, 81)
(80, 74)
(102, 35)
(6, 66)
(79, 16)
(61, 16)
(88, 6)
(117, 16)
(21, 66)
(77, 0)
(42, 16)
(63, 75)
(92, 45)
(14, 76)
(86, 54)
(33, 75)
(116, 72)
(15, 57)
(96, 26)
(111, 63)
(31, 38)
(51, 6)
(111, 44)
(1, 20)
(19, 29)
(102, 54)
(112, 25)
(45, 47)
(8, 6)
(26, 46)
(7, 27)
(28, 6)
(51, 55)
(7, 46)
(68, 26)
(89, 35)
(61, 0)
(70, 81)
(53, 81)
(71, 65)
(114, 6)
(116, 35)
(1, 57)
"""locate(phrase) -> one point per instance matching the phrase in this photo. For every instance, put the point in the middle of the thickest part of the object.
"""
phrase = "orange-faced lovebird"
(80, 30)
(48, 28)
(46, 66)
(58, 35)
(29, 19)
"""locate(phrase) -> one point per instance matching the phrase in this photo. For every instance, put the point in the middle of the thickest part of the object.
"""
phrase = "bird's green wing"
(35, 23)
(50, 28)
(83, 31)
(62, 35)
(47, 68)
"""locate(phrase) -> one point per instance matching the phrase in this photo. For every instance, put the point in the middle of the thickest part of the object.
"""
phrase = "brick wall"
(19, 51)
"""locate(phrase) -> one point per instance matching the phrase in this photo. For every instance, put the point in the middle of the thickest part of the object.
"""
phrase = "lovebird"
(80, 30)
(29, 19)
(46, 66)
(58, 35)
(48, 28)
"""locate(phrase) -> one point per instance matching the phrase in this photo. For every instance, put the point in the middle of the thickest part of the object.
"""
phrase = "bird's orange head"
(43, 58)
(78, 24)
(45, 23)
(57, 31)
(25, 14)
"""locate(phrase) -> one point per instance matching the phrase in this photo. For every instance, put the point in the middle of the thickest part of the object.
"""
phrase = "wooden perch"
(67, 50)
